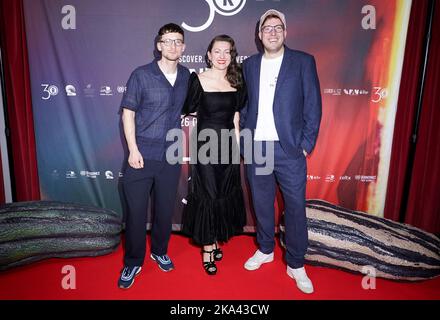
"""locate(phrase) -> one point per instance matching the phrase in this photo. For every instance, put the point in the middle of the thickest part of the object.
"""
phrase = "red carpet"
(96, 279)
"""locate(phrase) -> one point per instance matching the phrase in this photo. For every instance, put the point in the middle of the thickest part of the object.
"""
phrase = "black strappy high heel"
(217, 253)
(209, 266)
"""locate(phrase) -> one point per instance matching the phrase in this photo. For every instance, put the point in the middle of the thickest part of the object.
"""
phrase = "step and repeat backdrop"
(81, 53)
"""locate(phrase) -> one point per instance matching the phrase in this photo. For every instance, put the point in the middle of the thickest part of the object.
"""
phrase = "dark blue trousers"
(161, 178)
(291, 175)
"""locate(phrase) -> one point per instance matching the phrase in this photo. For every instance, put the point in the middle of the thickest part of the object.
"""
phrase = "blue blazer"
(297, 103)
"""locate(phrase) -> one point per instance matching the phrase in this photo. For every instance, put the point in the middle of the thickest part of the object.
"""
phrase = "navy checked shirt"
(158, 106)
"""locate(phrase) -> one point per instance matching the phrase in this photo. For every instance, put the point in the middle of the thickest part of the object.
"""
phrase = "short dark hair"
(169, 28)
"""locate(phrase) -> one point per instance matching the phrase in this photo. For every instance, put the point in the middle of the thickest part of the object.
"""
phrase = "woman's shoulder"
(194, 79)
(193, 76)
(204, 75)
(205, 78)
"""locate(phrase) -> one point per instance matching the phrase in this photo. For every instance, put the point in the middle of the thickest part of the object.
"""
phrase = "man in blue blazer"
(283, 113)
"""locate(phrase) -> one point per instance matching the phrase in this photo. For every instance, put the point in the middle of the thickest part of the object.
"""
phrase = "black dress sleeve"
(241, 98)
(193, 95)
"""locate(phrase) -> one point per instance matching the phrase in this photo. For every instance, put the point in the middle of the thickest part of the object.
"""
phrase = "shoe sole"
(160, 266)
(302, 289)
(134, 277)
(250, 268)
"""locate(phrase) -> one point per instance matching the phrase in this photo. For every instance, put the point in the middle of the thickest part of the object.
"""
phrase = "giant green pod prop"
(36, 230)
(361, 243)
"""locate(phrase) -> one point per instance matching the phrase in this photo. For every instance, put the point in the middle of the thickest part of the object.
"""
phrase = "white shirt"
(171, 77)
(266, 130)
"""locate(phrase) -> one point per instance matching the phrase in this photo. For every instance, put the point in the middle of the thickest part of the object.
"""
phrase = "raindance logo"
(70, 90)
(109, 175)
(223, 7)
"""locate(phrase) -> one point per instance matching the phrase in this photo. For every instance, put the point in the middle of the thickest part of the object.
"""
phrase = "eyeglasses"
(169, 42)
(268, 29)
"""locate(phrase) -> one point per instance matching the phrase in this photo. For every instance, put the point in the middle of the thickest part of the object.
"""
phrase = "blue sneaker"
(164, 262)
(127, 276)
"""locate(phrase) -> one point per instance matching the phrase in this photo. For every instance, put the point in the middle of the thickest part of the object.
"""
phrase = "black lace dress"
(215, 207)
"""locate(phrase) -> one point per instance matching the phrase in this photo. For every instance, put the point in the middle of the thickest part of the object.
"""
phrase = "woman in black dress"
(215, 208)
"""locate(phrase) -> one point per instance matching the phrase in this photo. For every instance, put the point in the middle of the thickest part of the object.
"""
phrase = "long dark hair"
(233, 73)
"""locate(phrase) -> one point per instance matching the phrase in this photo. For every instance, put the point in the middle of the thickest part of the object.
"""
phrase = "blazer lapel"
(179, 77)
(256, 78)
(284, 69)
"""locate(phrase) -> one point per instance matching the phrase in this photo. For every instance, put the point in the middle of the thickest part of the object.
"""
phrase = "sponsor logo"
(312, 177)
(90, 174)
(345, 178)
(89, 91)
(105, 91)
(355, 92)
(55, 174)
(329, 178)
(70, 90)
(109, 175)
(333, 92)
(121, 89)
(71, 175)
(362, 178)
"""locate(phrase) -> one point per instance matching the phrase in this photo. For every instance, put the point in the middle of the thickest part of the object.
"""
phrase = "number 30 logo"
(223, 7)
(380, 93)
(50, 90)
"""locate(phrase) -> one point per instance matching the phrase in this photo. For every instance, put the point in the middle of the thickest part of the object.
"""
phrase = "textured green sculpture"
(36, 230)
(358, 242)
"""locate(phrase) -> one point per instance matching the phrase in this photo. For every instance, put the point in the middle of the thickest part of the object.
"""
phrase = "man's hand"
(135, 160)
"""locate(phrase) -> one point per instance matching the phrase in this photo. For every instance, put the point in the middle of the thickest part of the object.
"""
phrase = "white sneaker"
(302, 281)
(257, 260)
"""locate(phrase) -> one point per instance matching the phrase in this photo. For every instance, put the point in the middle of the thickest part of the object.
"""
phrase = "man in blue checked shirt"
(151, 107)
